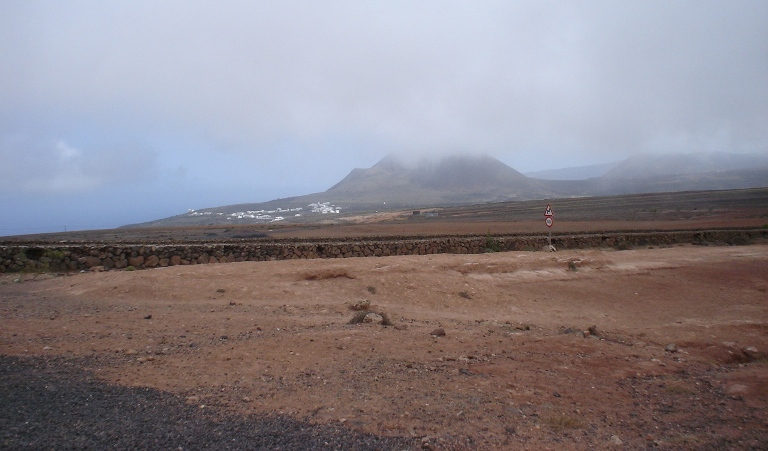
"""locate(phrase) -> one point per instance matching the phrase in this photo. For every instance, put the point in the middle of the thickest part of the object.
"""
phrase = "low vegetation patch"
(624, 245)
(360, 306)
(330, 273)
(369, 316)
(491, 245)
(561, 422)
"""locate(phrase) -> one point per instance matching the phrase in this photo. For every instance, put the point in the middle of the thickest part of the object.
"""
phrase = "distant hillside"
(392, 184)
(574, 173)
(652, 166)
(448, 181)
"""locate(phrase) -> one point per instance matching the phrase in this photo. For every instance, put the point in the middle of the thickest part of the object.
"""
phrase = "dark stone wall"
(67, 257)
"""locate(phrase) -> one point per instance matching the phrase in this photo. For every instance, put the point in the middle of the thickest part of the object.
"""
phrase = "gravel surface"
(51, 403)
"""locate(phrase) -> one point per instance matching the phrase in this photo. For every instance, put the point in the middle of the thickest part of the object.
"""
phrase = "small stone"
(232, 303)
(752, 353)
(439, 332)
(556, 394)
(148, 317)
(373, 317)
(593, 331)
(671, 347)
(47, 348)
(221, 290)
(615, 440)
(131, 352)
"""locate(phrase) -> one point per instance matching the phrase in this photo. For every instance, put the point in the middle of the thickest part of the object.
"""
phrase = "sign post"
(549, 222)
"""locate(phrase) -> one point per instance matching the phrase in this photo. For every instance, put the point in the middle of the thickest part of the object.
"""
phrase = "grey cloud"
(605, 77)
(537, 84)
(30, 165)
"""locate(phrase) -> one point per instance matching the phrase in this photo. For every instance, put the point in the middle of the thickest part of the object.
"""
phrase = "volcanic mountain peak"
(452, 179)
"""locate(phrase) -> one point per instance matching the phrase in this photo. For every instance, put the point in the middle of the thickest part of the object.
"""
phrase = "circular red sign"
(548, 221)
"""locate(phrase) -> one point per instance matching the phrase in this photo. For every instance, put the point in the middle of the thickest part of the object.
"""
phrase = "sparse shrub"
(680, 389)
(491, 245)
(465, 295)
(623, 245)
(560, 422)
(325, 274)
(572, 266)
(359, 317)
(512, 327)
(371, 289)
(130, 268)
(54, 254)
(360, 306)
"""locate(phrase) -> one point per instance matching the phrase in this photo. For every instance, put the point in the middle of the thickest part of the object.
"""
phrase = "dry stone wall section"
(68, 257)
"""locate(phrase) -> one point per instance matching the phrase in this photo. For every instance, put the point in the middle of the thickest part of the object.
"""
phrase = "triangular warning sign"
(548, 211)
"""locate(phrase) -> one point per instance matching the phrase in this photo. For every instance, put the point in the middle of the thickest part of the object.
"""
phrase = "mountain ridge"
(471, 179)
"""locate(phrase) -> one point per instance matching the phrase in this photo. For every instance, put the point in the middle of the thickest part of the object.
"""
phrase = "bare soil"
(675, 358)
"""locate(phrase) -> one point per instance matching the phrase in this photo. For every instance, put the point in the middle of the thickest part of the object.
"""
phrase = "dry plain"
(675, 358)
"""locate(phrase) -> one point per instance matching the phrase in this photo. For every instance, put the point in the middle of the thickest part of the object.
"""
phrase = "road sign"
(548, 211)
(549, 221)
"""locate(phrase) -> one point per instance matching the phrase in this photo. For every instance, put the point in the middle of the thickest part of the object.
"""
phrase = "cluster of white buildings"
(203, 213)
(323, 208)
(263, 215)
(271, 215)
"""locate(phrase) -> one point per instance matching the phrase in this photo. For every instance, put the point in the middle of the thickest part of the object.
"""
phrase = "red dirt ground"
(515, 368)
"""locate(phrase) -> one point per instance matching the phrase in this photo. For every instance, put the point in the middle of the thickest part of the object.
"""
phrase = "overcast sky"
(116, 112)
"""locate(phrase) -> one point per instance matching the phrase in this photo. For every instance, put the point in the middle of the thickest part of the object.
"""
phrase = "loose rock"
(752, 353)
(361, 305)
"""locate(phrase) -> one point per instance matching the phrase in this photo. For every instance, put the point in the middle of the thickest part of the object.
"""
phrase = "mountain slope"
(651, 166)
(459, 180)
(573, 173)
(451, 180)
